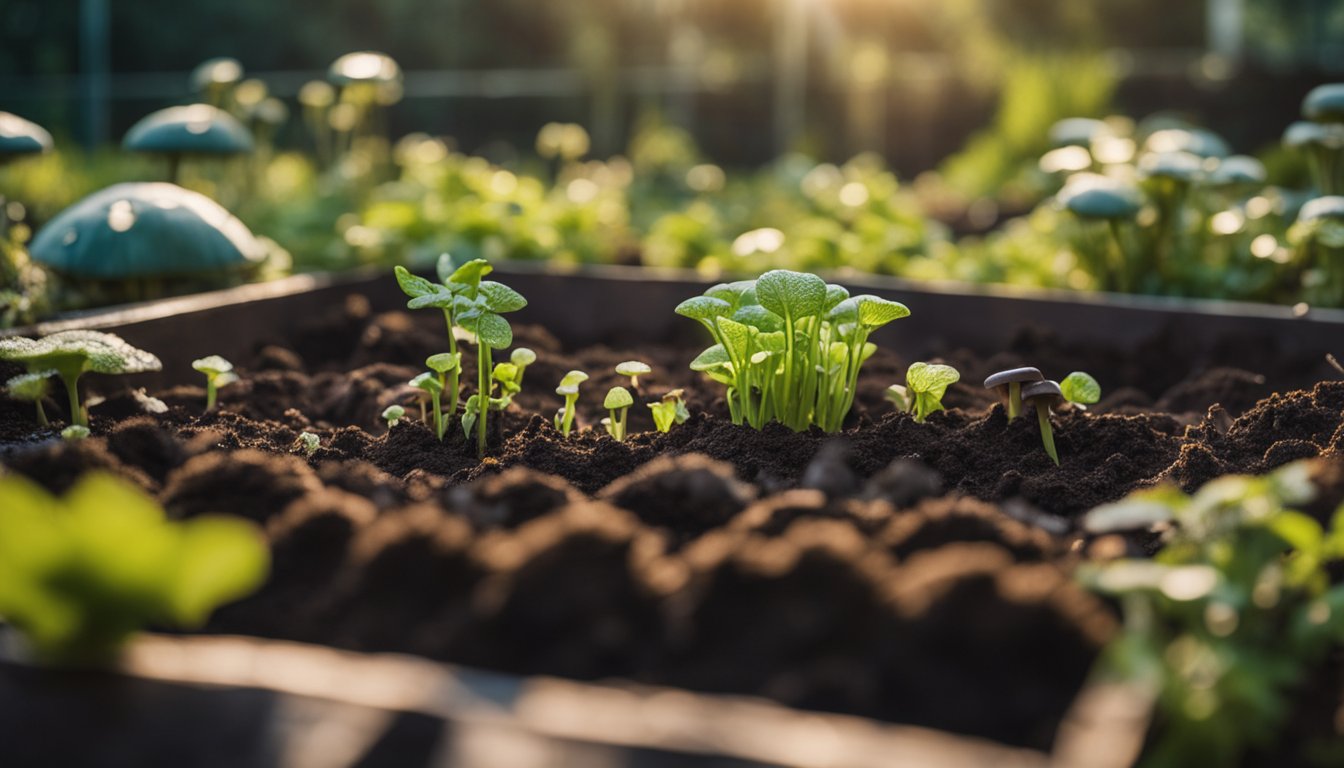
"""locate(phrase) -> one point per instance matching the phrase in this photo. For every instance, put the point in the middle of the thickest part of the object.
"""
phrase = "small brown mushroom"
(1044, 395)
(1009, 383)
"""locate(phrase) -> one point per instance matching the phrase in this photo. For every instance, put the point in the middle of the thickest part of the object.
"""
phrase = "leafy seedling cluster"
(925, 385)
(671, 409)
(71, 354)
(788, 346)
(1225, 623)
(1028, 386)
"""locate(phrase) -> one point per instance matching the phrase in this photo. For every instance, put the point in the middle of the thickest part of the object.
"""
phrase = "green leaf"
(617, 398)
(791, 295)
(731, 293)
(834, 295)
(1300, 531)
(469, 275)
(505, 373)
(78, 351)
(875, 311)
(573, 379)
(443, 362)
(428, 382)
(413, 285)
(220, 559)
(500, 298)
(703, 308)
(711, 358)
(736, 337)
(493, 331)
(760, 318)
(1078, 387)
(931, 379)
(522, 357)
(441, 298)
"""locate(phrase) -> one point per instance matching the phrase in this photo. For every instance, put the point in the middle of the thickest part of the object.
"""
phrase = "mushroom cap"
(1013, 375)
(1238, 169)
(1325, 103)
(1328, 207)
(618, 397)
(223, 70)
(633, 368)
(22, 137)
(1046, 389)
(145, 229)
(197, 129)
(1070, 159)
(1196, 141)
(1304, 133)
(364, 67)
(1099, 197)
(1075, 131)
(1181, 166)
(103, 352)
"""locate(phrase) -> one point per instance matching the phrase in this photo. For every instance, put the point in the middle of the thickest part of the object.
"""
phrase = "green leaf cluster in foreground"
(82, 572)
(788, 346)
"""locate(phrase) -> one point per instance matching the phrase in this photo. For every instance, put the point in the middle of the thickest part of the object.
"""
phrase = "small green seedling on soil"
(429, 383)
(521, 358)
(509, 378)
(634, 369)
(1009, 384)
(926, 383)
(897, 395)
(218, 373)
(568, 389)
(1080, 389)
(75, 432)
(81, 573)
(309, 443)
(670, 410)
(1042, 395)
(71, 354)
(32, 387)
(617, 403)
(393, 414)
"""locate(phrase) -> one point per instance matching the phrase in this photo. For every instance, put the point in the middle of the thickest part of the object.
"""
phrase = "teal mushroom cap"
(147, 229)
(197, 129)
(22, 137)
(1305, 133)
(217, 72)
(1327, 207)
(1098, 197)
(1075, 131)
(369, 67)
(1325, 103)
(1196, 141)
(1180, 166)
(1238, 170)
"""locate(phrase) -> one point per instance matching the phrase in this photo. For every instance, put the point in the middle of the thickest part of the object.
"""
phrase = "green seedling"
(218, 373)
(393, 414)
(75, 432)
(670, 410)
(508, 377)
(521, 358)
(788, 346)
(71, 354)
(453, 283)
(617, 403)
(480, 311)
(1009, 385)
(429, 383)
(568, 389)
(1043, 395)
(634, 369)
(445, 366)
(898, 396)
(34, 388)
(81, 573)
(926, 384)
(1080, 389)
(308, 443)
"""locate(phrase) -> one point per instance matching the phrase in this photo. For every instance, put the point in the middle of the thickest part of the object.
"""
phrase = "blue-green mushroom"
(190, 131)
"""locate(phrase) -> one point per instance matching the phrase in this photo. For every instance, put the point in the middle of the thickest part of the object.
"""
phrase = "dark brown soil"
(914, 572)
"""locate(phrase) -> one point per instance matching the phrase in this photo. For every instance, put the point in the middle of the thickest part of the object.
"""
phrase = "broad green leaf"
(713, 357)
(875, 311)
(774, 342)
(730, 293)
(1078, 387)
(573, 379)
(760, 318)
(791, 295)
(74, 352)
(428, 382)
(931, 379)
(469, 275)
(505, 372)
(413, 285)
(443, 362)
(1300, 531)
(220, 559)
(834, 295)
(736, 337)
(500, 298)
(704, 308)
(493, 331)
(441, 298)
(618, 397)
(1139, 510)
(30, 386)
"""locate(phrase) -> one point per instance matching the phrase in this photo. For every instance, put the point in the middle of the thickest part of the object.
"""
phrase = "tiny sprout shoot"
(898, 396)
(218, 373)
(927, 383)
(71, 354)
(32, 387)
(634, 369)
(429, 383)
(618, 404)
(1080, 389)
(568, 389)
(75, 432)
(393, 414)
(522, 357)
(1042, 395)
(670, 410)
(309, 443)
(1009, 383)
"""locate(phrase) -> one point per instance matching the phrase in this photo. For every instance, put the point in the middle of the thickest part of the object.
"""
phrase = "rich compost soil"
(919, 573)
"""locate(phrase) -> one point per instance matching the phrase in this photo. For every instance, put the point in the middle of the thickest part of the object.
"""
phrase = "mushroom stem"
(76, 412)
(210, 394)
(1014, 400)
(1047, 434)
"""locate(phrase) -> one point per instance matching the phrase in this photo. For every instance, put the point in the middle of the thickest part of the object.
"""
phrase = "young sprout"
(445, 366)
(393, 414)
(75, 432)
(218, 373)
(928, 383)
(1080, 389)
(509, 377)
(429, 383)
(898, 396)
(32, 387)
(309, 443)
(1009, 385)
(521, 358)
(568, 389)
(618, 404)
(634, 369)
(670, 410)
(1043, 395)
(71, 354)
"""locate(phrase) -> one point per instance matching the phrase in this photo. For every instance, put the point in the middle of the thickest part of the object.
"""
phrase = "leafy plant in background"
(1231, 616)
(71, 354)
(218, 373)
(80, 573)
(788, 346)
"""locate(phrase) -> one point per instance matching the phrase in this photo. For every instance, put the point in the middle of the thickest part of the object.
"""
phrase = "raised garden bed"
(913, 573)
